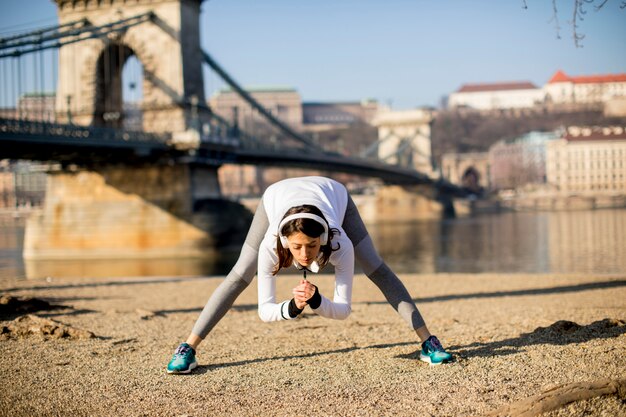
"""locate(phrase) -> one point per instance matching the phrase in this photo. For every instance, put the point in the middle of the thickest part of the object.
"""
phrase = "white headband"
(283, 238)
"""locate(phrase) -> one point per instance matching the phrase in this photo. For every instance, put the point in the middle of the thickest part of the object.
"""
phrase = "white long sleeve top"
(331, 198)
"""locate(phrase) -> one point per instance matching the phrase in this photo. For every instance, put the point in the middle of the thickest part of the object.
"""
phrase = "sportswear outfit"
(258, 254)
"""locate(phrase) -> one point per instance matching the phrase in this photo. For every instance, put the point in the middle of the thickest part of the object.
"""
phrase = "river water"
(535, 242)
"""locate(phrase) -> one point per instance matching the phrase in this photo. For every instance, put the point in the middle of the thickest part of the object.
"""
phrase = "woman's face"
(303, 248)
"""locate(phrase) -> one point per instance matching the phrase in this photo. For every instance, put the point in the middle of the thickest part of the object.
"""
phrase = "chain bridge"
(165, 169)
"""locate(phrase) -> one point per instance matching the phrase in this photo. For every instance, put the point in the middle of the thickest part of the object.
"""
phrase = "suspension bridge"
(171, 160)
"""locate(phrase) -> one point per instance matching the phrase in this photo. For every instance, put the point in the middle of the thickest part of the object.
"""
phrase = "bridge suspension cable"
(258, 107)
(41, 31)
(35, 42)
(373, 148)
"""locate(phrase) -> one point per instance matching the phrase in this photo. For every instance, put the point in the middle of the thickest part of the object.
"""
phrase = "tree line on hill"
(463, 131)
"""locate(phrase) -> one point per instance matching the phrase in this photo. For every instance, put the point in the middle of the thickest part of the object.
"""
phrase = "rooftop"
(504, 86)
(560, 77)
(261, 89)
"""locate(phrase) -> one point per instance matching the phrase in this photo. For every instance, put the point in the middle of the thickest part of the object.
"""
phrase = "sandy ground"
(363, 366)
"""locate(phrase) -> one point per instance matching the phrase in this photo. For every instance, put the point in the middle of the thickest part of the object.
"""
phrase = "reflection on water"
(213, 264)
(511, 242)
(534, 242)
(588, 241)
(539, 242)
(11, 241)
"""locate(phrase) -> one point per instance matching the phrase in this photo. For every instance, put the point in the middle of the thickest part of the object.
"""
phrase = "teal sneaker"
(433, 353)
(183, 361)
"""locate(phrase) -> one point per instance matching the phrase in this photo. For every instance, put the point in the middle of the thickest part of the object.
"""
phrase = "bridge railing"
(252, 143)
(53, 131)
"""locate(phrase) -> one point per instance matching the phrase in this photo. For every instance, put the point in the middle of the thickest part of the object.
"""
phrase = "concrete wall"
(132, 212)
(393, 204)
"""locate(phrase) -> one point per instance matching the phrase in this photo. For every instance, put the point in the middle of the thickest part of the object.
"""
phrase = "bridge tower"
(404, 138)
(89, 88)
(133, 208)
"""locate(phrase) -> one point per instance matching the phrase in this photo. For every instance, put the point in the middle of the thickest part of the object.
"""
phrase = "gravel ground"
(513, 336)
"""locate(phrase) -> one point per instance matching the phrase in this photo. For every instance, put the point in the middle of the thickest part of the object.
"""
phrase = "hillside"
(465, 131)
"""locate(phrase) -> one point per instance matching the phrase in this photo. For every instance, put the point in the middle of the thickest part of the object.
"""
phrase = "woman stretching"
(307, 222)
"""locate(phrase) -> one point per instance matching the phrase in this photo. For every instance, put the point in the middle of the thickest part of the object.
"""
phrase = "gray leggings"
(244, 270)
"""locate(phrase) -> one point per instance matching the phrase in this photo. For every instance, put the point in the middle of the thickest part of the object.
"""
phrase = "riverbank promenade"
(515, 337)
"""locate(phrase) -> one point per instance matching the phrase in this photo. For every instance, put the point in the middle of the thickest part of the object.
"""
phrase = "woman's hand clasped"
(303, 292)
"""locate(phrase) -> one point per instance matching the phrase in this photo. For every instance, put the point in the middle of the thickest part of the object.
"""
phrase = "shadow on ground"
(562, 332)
(206, 368)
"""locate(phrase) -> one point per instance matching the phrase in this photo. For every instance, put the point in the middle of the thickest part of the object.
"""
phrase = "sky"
(403, 53)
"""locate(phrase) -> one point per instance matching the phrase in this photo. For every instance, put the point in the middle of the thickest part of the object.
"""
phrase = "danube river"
(535, 242)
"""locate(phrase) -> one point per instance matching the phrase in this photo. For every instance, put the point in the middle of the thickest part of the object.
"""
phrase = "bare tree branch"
(601, 5)
(555, 18)
(578, 16)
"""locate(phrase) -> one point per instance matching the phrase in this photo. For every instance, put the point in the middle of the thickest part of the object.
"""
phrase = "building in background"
(284, 103)
(519, 161)
(584, 90)
(588, 160)
(37, 107)
(585, 161)
(8, 112)
(495, 96)
(22, 184)
(324, 116)
(562, 92)
(342, 127)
